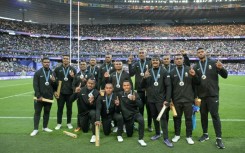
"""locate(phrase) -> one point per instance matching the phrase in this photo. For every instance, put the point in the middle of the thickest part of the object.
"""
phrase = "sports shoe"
(176, 138)
(203, 138)
(69, 126)
(220, 144)
(58, 126)
(168, 143)
(34, 132)
(47, 130)
(189, 140)
(92, 140)
(150, 129)
(142, 143)
(155, 137)
(115, 129)
(77, 129)
(119, 139)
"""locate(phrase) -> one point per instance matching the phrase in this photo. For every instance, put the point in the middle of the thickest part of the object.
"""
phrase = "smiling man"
(158, 88)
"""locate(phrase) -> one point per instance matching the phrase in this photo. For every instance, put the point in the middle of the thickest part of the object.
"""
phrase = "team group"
(106, 94)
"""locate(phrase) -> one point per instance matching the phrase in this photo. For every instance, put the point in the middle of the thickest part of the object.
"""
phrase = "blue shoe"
(155, 137)
(168, 143)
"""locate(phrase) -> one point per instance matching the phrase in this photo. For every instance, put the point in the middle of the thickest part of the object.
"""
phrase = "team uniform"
(108, 111)
(117, 78)
(158, 89)
(131, 114)
(95, 71)
(138, 69)
(105, 67)
(62, 74)
(80, 77)
(87, 110)
(183, 96)
(43, 87)
(208, 92)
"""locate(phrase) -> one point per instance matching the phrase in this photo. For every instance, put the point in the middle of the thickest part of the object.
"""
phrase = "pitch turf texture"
(16, 124)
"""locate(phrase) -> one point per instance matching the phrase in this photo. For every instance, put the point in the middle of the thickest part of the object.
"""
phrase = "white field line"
(14, 85)
(16, 95)
(15, 117)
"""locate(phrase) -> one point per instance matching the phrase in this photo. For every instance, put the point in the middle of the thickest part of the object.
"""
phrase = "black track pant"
(37, 115)
(186, 108)
(210, 104)
(64, 99)
(106, 123)
(155, 110)
(130, 125)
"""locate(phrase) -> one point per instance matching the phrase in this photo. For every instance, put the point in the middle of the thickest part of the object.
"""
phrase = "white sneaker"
(69, 126)
(115, 129)
(34, 132)
(189, 141)
(119, 139)
(142, 143)
(176, 138)
(47, 130)
(93, 138)
(58, 126)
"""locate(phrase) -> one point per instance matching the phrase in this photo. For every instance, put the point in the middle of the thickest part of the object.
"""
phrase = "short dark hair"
(92, 77)
(126, 80)
(45, 58)
(199, 48)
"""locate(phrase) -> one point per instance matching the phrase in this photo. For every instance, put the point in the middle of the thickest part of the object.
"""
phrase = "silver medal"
(82, 76)
(118, 85)
(65, 79)
(181, 83)
(129, 96)
(155, 83)
(107, 111)
(141, 74)
(204, 77)
(46, 83)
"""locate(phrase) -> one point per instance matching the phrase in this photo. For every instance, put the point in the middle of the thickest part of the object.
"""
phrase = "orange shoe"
(77, 129)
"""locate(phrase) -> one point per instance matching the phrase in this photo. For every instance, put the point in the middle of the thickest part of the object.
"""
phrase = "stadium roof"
(48, 11)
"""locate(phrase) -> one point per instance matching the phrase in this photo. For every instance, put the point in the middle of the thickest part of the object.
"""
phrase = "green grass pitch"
(16, 124)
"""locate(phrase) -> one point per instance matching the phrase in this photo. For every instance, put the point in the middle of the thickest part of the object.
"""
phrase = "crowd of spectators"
(6, 66)
(135, 30)
(30, 46)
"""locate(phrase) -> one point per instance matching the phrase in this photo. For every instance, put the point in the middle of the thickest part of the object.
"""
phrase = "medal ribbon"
(106, 66)
(158, 72)
(66, 72)
(108, 101)
(142, 68)
(182, 73)
(91, 70)
(205, 66)
(46, 76)
(118, 78)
